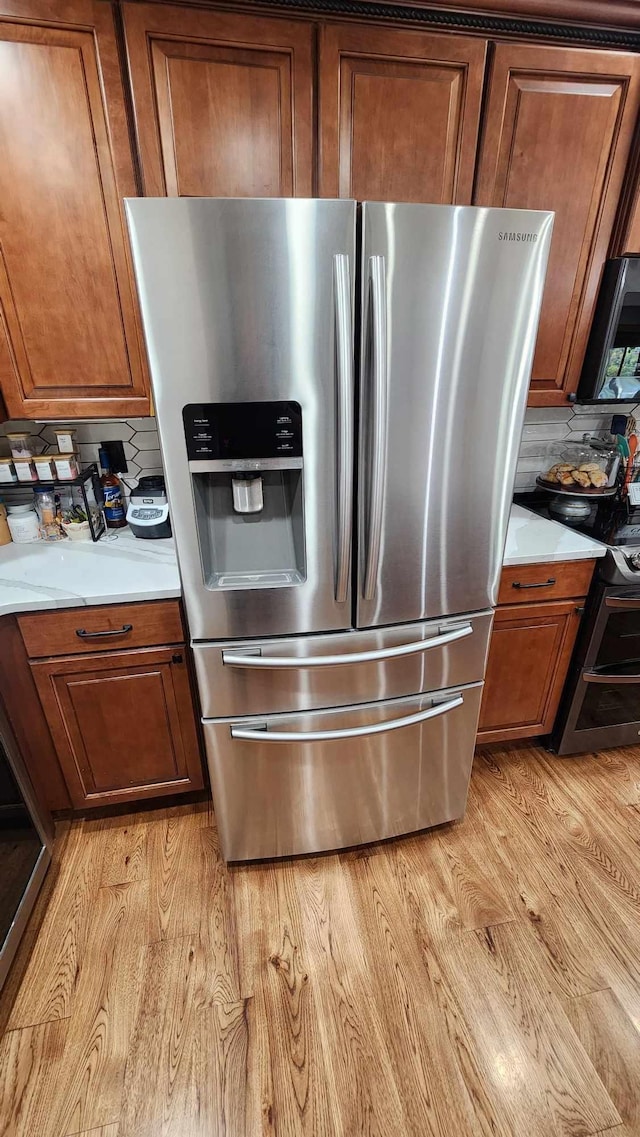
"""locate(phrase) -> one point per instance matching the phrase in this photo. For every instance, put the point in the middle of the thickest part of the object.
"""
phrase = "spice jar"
(7, 470)
(47, 510)
(25, 469)
(65, 439)
(23, 524)
(66, 466)
(21, 444)
(45, 468)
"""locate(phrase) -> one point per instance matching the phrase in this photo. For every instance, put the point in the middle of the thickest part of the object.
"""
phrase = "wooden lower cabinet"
(123, 723)
(529, 654)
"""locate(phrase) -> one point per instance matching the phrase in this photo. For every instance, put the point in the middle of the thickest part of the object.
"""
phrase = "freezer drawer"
(288, 784)
(310, 672)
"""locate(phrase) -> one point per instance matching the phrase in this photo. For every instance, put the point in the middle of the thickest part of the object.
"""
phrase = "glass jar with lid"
(47, 509)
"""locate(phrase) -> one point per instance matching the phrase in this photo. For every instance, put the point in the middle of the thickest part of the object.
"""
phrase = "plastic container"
(7, 470)
(65, 439)
(45, 468)
(66, 466)
(22, 444)
(23, 524)
(25, 469)
(46, 503)
(577, 468)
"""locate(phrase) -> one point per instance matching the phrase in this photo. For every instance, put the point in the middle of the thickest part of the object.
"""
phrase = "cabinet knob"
(572, 397)
(176, 657)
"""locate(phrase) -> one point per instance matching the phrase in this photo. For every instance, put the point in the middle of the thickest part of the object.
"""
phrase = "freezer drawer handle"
(262, 734)
(622, 602)
(377, 274)
(344, 367)
(239, 659)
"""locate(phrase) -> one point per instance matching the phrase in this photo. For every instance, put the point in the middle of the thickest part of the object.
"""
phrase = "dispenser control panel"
(241, 435)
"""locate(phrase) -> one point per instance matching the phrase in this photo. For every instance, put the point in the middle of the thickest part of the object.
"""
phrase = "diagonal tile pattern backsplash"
(139, 435)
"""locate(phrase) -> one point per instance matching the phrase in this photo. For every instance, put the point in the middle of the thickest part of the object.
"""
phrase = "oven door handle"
(262, 734)
(601, 677)
(446, 636)
(622, 602)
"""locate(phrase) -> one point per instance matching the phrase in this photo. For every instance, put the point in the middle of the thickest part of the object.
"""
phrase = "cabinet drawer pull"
(109, 632)
(539, 584)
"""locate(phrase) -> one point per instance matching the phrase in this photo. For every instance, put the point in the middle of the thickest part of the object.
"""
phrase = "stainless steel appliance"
(148, 510)
(26, 839)
(368, 369)
(611, 369)
(601, 700)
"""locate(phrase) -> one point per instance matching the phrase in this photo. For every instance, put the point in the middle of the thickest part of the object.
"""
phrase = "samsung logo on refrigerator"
(513, 236)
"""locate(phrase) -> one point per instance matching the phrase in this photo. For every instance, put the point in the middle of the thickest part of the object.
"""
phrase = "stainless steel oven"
(26, 839)
(601, 706)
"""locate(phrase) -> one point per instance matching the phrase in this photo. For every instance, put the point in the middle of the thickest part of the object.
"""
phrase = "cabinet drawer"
(104, 628)
(522, 584)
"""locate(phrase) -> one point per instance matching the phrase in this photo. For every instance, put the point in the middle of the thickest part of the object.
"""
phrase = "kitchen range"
(340, 538)
(601, 701)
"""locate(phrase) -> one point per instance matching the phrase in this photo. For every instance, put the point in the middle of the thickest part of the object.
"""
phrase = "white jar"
(23, 524)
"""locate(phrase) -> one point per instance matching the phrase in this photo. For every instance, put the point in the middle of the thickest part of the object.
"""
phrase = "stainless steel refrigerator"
(340, 392)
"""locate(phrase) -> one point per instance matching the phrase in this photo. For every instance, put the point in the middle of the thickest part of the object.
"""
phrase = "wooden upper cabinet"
(399, 113)
(557, 131)
(70, 340)
(223, 102)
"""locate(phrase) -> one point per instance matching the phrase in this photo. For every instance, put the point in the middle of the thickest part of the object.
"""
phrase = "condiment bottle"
(115, 513)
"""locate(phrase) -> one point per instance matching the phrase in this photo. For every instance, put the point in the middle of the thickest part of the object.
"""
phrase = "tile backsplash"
(560, 424)
(139, 436)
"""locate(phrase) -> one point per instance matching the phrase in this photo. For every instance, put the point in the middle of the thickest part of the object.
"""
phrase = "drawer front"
(345, 777)
(524, 584)
(108, 627)
(306, 673)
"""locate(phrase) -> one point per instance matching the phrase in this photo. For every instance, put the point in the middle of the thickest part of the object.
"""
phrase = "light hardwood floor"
(482, 979)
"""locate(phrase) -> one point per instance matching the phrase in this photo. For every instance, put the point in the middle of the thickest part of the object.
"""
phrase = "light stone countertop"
(67, 574)
(533, 540)
(121, 568)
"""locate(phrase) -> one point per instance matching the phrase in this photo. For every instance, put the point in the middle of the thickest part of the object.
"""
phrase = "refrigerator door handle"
(344, 369)
(262, 734)
(378, 284)
(248, 659)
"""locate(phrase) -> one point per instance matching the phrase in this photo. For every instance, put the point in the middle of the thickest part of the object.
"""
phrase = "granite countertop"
(533, 540)
(66, 574)
(121, 568)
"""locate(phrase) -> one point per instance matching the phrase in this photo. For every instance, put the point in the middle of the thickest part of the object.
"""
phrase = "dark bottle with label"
(115, 513)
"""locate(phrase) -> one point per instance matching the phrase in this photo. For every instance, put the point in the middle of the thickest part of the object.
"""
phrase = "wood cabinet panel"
(557, 132)
(69, 327)
(223, 102)
(123, 724)
(399, 114)
(23, 709)
(524, 584)
(529, 656)
(127, 626)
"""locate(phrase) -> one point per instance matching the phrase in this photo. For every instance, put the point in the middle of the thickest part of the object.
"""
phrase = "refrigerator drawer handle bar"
(344, 366)
(237, 659)
(377, 275)
(250, 734)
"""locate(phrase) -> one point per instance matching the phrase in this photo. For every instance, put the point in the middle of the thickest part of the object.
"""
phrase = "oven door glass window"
(20, 846)
(612, 694)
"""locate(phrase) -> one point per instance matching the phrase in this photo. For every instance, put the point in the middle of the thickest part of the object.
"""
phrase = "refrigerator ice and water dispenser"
(246, 466)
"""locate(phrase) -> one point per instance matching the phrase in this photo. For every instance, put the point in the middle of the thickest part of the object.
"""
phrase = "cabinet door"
(123, 724)
(70, 340)
(529, 655)
(223, 102)
(557, 132)
(399, 114)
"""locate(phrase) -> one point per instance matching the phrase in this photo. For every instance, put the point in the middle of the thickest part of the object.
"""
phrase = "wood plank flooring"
(478, 980)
